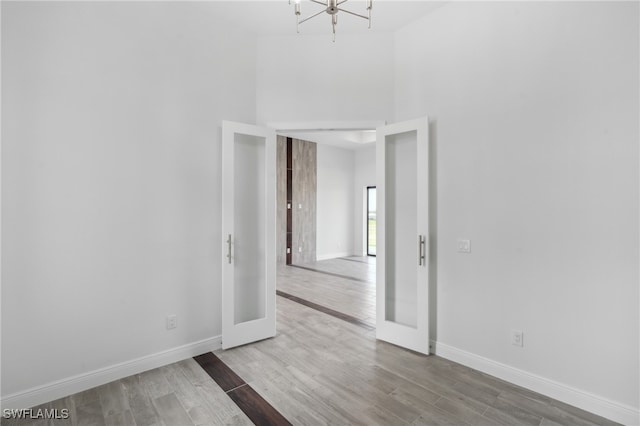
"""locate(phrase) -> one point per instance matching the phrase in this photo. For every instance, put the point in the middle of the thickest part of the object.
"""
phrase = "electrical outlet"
(517, 338)
(172, 321)
(464, 246)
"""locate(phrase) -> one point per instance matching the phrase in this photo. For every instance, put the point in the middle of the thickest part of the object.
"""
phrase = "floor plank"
(225, 377)
(256, 408)
(171, 411)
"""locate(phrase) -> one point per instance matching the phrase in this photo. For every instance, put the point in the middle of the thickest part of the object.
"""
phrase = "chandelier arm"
(340, 2)
(320, 2)
(312, 16)
(354, 14)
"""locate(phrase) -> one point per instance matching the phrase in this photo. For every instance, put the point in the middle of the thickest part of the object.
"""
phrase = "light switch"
(299, 206)
(464, 246)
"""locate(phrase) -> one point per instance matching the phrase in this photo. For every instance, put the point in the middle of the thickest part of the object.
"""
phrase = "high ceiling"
(276, 17)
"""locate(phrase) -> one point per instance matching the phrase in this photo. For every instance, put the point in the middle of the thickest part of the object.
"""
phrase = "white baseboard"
(332, 256)
(595, 404)
(61, 388)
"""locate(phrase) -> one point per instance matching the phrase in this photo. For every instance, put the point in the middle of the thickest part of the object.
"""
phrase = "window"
(371, 221)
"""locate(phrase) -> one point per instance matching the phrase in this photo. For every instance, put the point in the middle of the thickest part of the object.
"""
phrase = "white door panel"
(402, 316)
(248, 225)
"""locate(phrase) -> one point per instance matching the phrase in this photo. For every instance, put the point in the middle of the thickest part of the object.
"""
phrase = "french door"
(248, 230)
(402, 305)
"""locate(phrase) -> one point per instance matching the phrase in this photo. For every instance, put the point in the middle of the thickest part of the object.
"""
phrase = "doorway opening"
(319, 264)
(371, 221)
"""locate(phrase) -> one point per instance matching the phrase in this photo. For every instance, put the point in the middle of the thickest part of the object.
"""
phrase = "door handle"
(229, 248)
(421, 251)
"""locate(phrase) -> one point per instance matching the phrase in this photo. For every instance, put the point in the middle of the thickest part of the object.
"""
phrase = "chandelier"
(331, 7)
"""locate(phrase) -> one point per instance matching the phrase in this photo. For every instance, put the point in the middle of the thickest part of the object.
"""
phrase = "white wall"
(110, 174)
(335, 202)
(365, 175)
(304, 78)
(310, 79)
(536, 108)
(111, 119)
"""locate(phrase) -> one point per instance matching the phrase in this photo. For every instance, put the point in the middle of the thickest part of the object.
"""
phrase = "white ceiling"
(277, 18)
(347, 139)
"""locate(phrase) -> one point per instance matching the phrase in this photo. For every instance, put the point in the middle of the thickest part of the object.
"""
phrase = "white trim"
(595, 404)
(332, 256)
(309, 126)
(61, 388)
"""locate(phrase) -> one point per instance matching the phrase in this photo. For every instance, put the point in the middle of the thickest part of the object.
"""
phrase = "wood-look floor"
(348, 285)
(321, 370)
(175, 395)
(246, 398)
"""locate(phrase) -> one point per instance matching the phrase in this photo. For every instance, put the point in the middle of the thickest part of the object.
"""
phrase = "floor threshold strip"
(259, 411)
(332, 274)
(328, 311)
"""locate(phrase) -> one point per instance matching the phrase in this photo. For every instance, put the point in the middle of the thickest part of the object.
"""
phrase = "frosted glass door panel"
(401, 229)
(402, 278)
(249, 229)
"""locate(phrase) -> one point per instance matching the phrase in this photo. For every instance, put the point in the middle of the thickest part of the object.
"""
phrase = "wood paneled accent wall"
(303, 181)
(304, 201)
